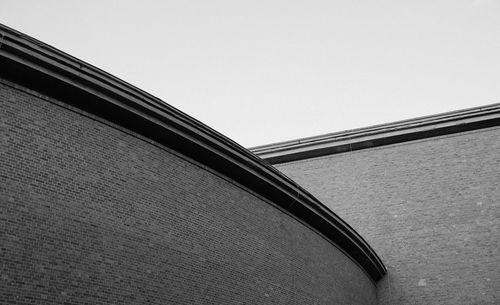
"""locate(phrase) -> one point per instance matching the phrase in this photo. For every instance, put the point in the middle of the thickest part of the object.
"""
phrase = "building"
(425, 193)
(110, 196)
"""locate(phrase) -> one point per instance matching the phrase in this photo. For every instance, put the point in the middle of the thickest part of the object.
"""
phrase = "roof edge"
(379, 135)
(29, 62)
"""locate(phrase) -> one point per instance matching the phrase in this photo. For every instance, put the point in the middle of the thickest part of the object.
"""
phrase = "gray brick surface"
(429, 208)
(92, 214)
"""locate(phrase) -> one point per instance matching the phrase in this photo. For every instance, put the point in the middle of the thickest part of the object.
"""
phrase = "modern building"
(425, 193)
(110, 196)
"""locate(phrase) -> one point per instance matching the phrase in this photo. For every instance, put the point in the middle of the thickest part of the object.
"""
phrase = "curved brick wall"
(94, 214)
(430, 208)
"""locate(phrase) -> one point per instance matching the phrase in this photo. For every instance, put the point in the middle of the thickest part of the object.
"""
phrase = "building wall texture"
(95, 214)
(430, 208)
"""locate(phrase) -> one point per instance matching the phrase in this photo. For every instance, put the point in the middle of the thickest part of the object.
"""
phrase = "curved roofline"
(29, 62)
(379, 135)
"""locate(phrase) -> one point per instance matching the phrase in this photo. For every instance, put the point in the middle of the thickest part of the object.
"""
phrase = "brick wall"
(429, 208)
(93, 214)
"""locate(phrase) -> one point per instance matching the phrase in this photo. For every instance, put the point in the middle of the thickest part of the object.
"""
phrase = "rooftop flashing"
(379, 135)
(40, 67)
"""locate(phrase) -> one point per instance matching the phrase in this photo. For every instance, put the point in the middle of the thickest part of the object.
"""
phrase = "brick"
(94, 214)
(430, 209)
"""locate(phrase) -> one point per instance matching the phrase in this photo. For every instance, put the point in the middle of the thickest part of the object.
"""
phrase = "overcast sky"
(267, 71)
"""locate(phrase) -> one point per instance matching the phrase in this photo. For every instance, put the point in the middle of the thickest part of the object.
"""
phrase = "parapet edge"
(379, 135)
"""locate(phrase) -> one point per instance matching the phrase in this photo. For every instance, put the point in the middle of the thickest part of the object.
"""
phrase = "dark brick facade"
(95, 214)
(430, 208)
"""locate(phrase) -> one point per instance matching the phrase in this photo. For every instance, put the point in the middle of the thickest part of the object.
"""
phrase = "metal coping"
(38, 66)
(379, 135)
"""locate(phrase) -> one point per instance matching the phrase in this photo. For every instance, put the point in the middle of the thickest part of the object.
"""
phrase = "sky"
(262, 72)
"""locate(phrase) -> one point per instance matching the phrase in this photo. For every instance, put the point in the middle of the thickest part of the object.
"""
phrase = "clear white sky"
(268, 71)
